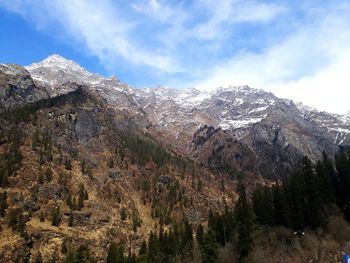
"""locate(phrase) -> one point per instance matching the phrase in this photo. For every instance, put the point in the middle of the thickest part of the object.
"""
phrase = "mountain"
(274, 130)
(91, 160)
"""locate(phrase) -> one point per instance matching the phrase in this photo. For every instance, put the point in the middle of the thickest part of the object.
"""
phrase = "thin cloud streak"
(96, 24)
(277, 46)
(308, 65)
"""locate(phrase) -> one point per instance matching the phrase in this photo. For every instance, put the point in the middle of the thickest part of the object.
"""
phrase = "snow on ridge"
(341, 130)
(242, 123)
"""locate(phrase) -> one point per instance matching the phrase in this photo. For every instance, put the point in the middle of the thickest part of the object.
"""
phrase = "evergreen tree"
(153, 248)
(3, 203)
(314, 207)
(21, 224)
(48, 174)
(187, 236)
(71, 219)
(295, 190)
(209, 248)
(325, 183)
(56, 216)
(3, 177)
(143, 249)
(81, 197)
(69, 199)
(200, 234)
(68, 164)
(112, 253)
(38, 258)
(83, 166)
(343, 167)
(333, 177)
(263, 205)
(281, 208)
(110, 162)
(12, 218)
(244, 217)
(123, 214)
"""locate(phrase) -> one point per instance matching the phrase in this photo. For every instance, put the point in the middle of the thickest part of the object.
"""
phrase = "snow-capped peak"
(57, 59)
(57, 62)
(56, 70)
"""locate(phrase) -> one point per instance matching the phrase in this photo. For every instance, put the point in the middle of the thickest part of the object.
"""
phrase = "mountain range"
(198, 123)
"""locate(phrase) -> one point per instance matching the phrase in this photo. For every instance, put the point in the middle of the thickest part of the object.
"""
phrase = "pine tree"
(21, 224)
(325, 183)
(263, 206)
(281, 208)
(56, 216)
(68, 164)
(343, 167)
(314, 207)
(69, 199)
(3, 177)
(83, 166)
(48, 174)
(12, 218)
(112, 253)
(38, 258)
(123, 214)
(81, 197)
(244, 217)
(186, 238)
(110, 162)
(295, 191)
(71, 219)
(333, 177)
(200, 234)
(3, 204)
(143, 248)
(209, 248)
(153, 248)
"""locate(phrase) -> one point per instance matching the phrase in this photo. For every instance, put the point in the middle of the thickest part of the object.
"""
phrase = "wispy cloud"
(99, 25)
(222, 14)
(280, 46)
(307, 65)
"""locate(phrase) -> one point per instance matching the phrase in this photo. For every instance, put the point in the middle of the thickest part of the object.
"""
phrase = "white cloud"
(311, 65)
(96, 24)
(300, 52)
(227, 12)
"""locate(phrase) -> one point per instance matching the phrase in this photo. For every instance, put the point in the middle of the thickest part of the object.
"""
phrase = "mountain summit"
(56, 70)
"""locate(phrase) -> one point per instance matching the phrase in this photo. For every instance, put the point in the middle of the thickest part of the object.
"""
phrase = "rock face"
(276, 131)
(17, 87)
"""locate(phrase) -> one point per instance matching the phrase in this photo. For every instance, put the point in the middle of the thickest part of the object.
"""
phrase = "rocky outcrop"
(17, 87)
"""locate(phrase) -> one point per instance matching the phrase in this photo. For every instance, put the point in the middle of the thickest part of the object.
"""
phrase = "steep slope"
(17, 87)
(337, 125)
(273, 129)
(78, 170)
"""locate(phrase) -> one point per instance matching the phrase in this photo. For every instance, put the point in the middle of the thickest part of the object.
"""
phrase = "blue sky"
(295, 49)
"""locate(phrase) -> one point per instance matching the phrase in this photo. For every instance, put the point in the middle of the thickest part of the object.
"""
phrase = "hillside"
(89, 165)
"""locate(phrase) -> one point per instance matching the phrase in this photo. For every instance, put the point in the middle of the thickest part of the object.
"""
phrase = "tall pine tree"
(244, 218)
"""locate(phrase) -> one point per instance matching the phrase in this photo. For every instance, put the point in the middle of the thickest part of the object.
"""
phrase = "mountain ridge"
(251, 116)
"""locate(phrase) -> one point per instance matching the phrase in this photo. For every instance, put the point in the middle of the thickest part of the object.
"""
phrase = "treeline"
(24, 113)
(181, 243)
(304, 200)
(145, 150)
(164, 246)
